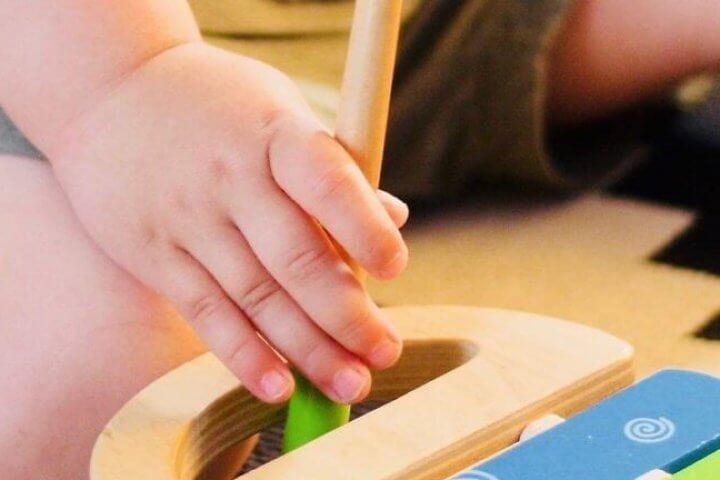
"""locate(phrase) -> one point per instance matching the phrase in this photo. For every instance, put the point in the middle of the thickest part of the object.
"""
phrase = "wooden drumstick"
(361, 127)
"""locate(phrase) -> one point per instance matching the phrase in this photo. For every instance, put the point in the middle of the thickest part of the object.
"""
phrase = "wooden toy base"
(469, 381)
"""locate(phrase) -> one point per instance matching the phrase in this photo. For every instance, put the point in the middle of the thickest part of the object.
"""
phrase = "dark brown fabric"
(468, 98)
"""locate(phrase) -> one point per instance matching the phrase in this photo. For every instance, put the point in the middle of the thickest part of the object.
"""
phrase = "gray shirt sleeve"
(12, 141)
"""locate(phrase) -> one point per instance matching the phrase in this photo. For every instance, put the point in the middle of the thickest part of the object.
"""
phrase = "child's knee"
(80, 336)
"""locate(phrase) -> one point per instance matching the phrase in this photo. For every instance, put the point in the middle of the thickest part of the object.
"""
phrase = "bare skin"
(148, 205)
(615, 53)
(80, 335)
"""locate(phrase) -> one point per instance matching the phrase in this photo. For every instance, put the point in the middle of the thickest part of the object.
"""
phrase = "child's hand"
(200, 173)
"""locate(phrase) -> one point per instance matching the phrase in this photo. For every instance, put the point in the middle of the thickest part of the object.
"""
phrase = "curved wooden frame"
(498, 370)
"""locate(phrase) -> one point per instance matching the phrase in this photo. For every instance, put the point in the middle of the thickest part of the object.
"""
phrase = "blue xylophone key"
(667, 421)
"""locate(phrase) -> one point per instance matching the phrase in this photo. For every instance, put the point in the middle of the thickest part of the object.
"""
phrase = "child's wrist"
(84, 121)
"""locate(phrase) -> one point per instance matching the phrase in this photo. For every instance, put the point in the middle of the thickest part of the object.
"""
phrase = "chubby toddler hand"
(206, 175)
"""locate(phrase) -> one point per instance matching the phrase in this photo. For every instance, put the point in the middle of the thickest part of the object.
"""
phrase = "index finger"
(318, 174)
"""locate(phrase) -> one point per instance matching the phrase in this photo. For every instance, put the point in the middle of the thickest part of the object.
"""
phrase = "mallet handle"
(367, 83)
(361, 127)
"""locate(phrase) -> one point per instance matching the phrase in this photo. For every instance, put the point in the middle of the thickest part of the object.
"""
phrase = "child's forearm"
(613, 53)
(58, 57)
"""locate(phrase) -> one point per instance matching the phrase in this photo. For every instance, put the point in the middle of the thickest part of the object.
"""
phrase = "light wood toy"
(471, 383)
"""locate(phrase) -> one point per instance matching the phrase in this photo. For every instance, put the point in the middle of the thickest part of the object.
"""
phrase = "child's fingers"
(222, 326)
(319, 175)
(276, 315)
(296, 252)
(396, 208)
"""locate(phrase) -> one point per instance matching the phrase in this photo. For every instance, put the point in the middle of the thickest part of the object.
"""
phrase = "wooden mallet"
(361, 127)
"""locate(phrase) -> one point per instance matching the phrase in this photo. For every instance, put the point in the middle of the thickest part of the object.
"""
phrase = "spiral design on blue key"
(649, 430)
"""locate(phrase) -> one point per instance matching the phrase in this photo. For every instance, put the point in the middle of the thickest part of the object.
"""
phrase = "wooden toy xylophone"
(471, 384)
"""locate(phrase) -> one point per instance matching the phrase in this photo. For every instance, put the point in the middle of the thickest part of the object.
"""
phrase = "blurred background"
(638, 257)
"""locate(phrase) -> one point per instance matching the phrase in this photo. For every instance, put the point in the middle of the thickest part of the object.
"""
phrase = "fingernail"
(349, 385)
(392, 332)
(275, 385)
(385, 354)
(394, 266)
(398, 210)
(395, 201)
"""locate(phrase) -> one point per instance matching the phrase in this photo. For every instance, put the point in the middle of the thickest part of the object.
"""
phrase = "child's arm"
(613, 53)
(201, 172)
(59, 58)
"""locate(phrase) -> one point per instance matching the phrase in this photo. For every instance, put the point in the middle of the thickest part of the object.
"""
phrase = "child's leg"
(78, 336)
(613, 53)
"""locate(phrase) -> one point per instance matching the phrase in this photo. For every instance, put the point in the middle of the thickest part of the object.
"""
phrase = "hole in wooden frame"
(218, 441)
